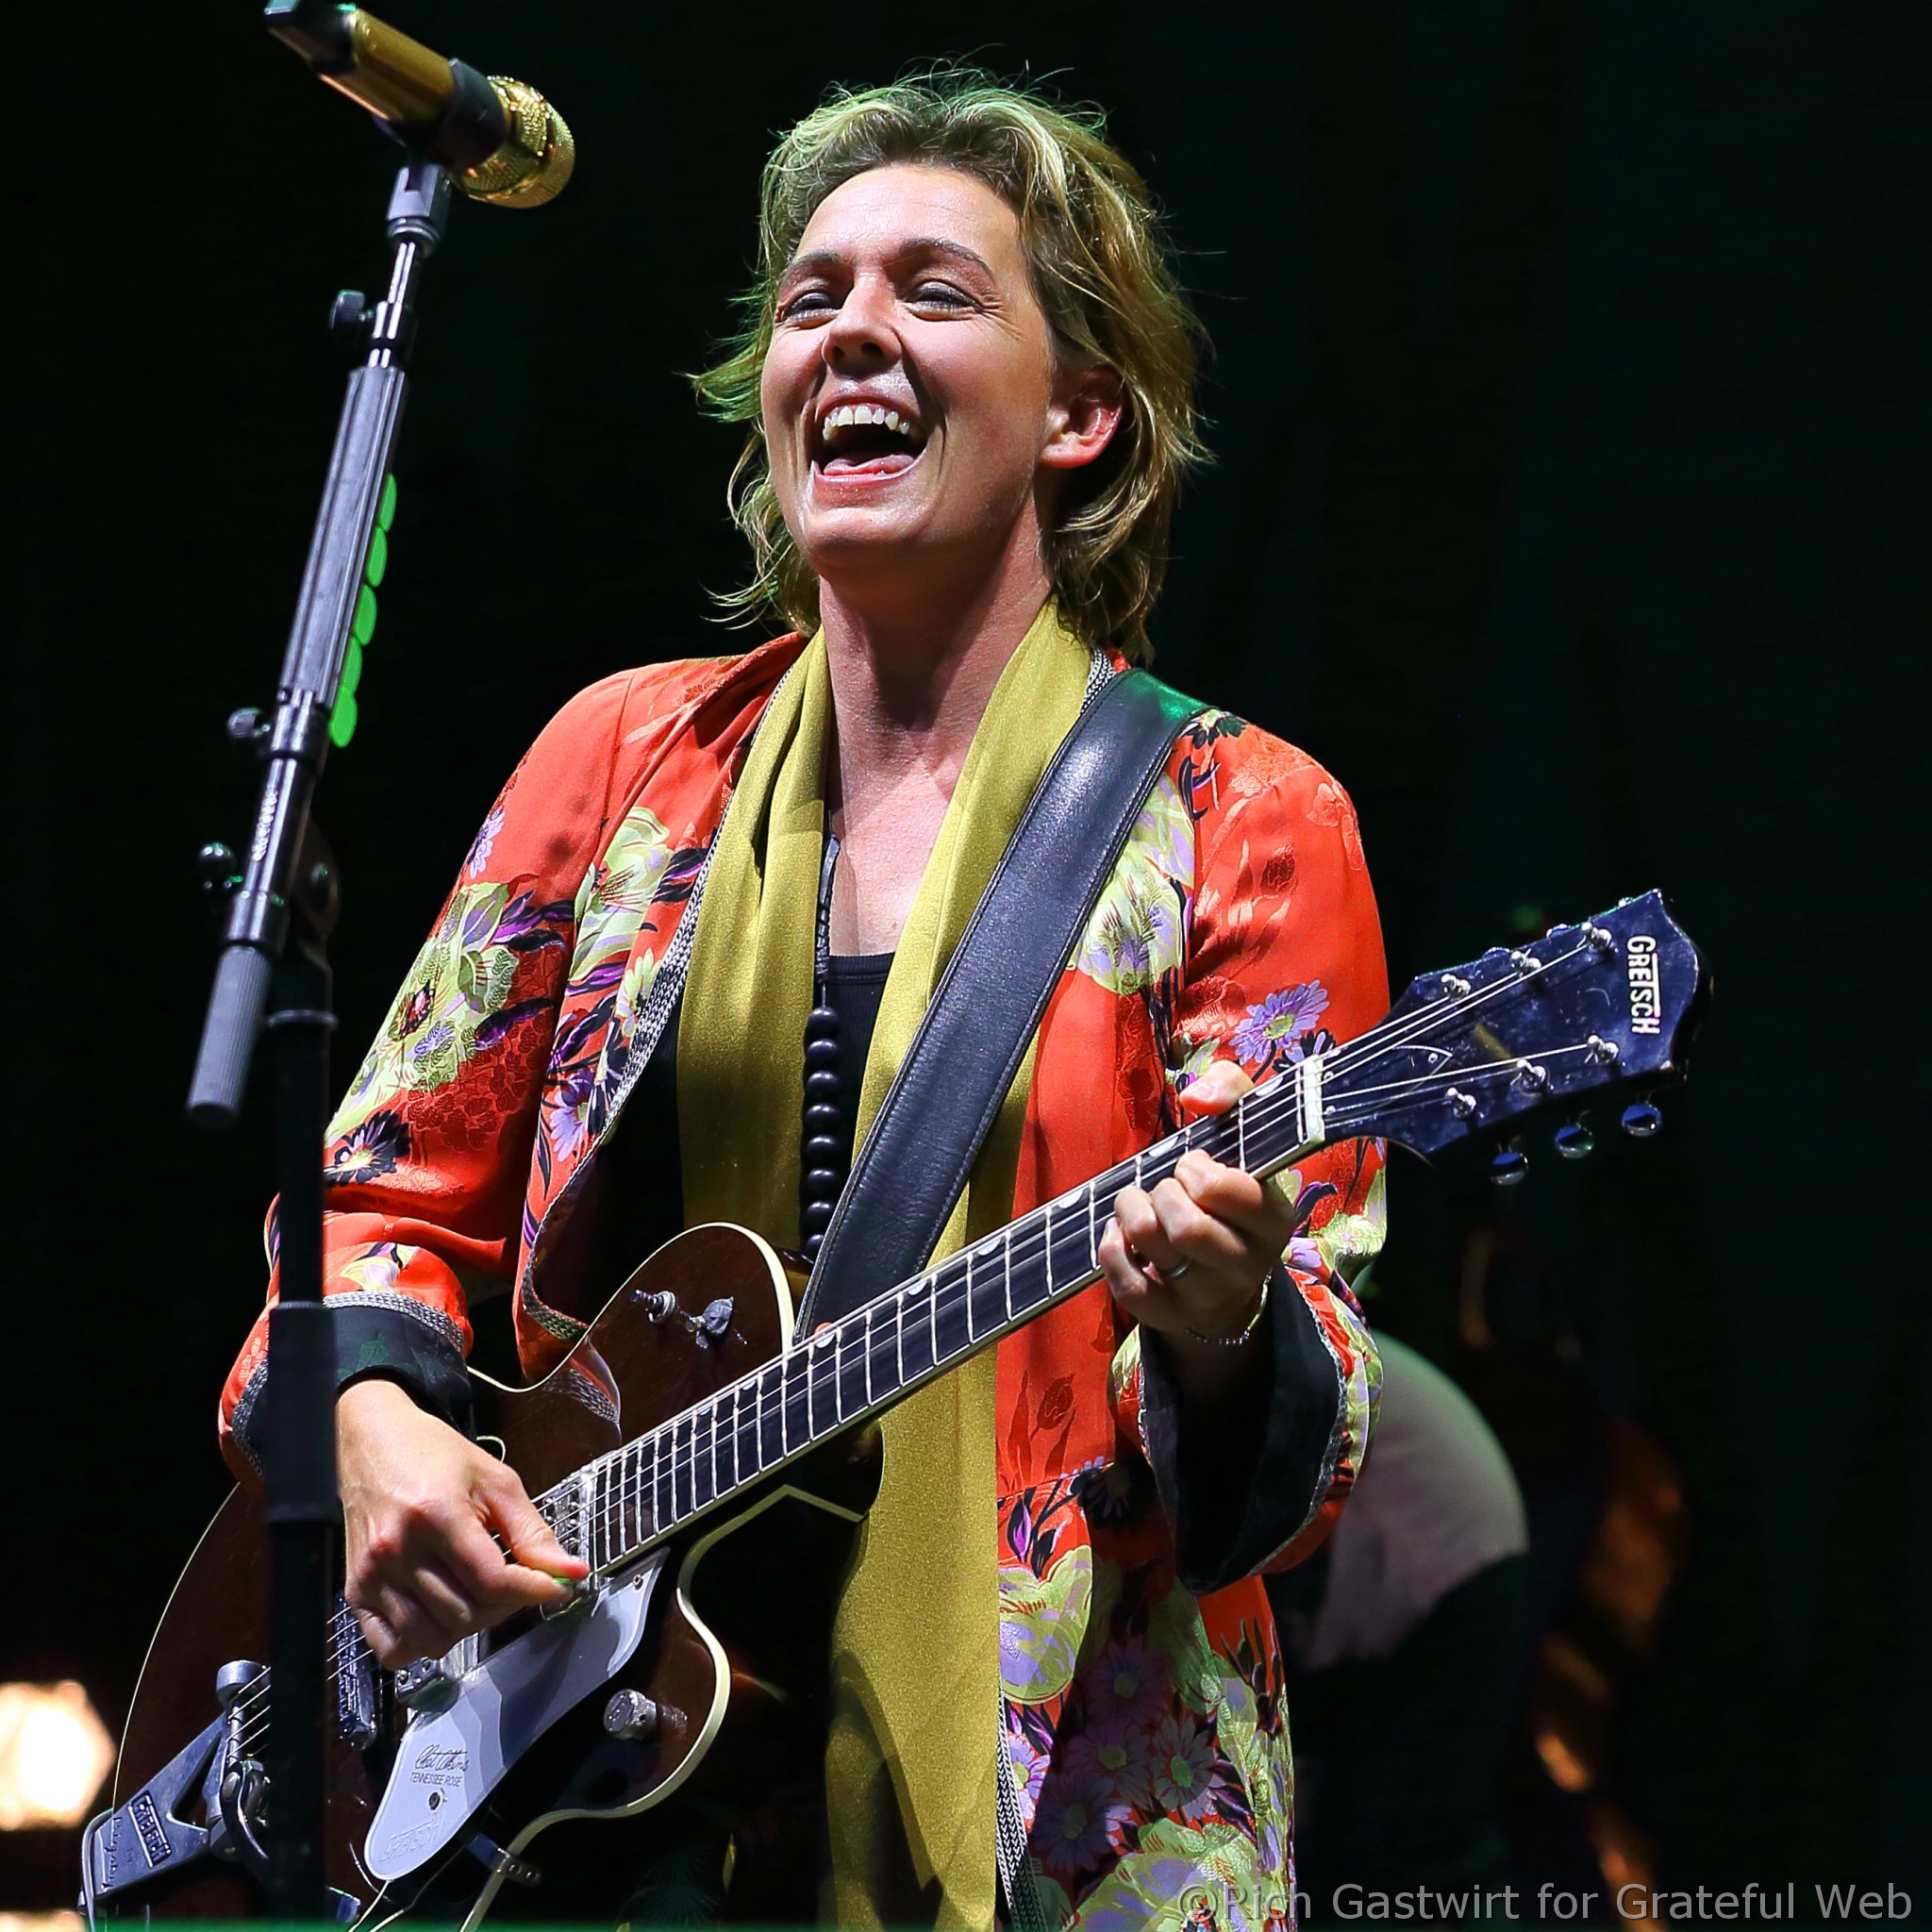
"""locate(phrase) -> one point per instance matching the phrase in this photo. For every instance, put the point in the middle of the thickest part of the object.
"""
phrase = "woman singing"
(966, 376)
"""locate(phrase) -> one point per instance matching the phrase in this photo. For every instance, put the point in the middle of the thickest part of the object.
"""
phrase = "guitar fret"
(822, 1369)
(682, 1470)
(984, 1314)
(795, 1384)
(771, 1418)
(739, 1461)
(702, 1491)
(951, 1312)
(914, 1339)
(853, 1364)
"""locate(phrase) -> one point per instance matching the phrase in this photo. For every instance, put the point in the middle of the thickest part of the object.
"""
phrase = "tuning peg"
(1573, 1140)
(1642, 1120)
(1507, 1166)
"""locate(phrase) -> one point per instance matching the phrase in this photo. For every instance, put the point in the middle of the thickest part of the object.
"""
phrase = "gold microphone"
(500, 140)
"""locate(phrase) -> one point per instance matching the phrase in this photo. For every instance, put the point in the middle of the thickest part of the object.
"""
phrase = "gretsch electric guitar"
(535, 1769)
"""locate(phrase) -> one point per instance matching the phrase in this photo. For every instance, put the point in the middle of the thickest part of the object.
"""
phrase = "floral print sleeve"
(424, 1161)
(1283, 958)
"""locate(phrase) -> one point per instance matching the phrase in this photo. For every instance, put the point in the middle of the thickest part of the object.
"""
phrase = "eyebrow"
(918, 244)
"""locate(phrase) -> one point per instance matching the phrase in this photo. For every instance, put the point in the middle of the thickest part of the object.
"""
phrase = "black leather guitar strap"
(955, 1075)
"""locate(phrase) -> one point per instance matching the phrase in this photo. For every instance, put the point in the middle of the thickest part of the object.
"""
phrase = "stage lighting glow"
(53, 1755)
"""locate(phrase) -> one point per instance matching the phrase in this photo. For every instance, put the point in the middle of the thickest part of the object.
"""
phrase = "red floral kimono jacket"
(1147, 1740)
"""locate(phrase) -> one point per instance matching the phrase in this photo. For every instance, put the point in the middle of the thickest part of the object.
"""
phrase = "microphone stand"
(275, 963)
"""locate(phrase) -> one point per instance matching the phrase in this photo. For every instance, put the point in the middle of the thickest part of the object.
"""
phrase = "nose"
(862, 334)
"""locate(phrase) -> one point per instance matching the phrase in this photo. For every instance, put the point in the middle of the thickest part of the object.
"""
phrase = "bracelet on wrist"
(1246, 1331)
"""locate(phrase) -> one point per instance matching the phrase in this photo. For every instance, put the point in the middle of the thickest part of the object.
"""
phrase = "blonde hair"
(1094, 243)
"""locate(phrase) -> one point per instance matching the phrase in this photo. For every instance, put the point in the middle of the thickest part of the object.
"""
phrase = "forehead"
(886, 211)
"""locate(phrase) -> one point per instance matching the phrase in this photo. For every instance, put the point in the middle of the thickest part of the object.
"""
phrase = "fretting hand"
(1188, 1258)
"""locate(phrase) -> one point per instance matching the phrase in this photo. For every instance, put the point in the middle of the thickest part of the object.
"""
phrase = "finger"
(412, 1631)
(537, 1556)
(488, 1575)
(1215, 1090)
(1142, 1230)
(377, 1633)
(1255, 1206)
(1192, 1234)
(445, 1598)
(1127, 1281)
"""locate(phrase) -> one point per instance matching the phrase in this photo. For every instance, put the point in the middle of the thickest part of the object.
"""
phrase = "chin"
(862, 544)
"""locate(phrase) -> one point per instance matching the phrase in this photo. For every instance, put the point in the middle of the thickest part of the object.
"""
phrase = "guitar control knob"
(1507, 1168)
(1641, 1121)
(1573, 1140)
(659, 1307)
(631, 1714)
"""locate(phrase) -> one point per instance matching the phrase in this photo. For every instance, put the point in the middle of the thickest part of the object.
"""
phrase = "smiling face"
(915, 416)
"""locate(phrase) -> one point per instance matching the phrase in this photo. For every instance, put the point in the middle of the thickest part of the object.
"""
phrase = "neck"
(913, 667)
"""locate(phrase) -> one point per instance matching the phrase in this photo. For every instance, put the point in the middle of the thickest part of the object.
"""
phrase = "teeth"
(852, 415)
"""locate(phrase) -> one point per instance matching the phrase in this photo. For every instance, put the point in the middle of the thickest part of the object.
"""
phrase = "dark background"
(1569, 395)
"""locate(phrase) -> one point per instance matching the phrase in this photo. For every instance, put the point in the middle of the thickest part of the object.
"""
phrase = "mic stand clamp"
(273, 963)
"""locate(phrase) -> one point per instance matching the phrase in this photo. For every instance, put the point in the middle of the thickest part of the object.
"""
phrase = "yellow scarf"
(910, 1762)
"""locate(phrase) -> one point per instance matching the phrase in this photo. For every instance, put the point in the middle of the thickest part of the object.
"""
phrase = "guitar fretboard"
(614, 1509)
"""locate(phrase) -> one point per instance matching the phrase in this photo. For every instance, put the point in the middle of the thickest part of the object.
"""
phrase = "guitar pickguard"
(449, 1761)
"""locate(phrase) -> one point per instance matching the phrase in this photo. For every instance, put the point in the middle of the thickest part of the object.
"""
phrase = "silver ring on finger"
(1172, 1274)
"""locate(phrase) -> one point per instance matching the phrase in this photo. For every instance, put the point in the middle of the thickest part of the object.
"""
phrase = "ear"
(1081, 421)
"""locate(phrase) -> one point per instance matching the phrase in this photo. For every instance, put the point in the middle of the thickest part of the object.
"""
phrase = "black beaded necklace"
(824, 1158)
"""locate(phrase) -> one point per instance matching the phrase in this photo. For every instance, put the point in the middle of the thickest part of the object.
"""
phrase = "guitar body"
(722, 1634)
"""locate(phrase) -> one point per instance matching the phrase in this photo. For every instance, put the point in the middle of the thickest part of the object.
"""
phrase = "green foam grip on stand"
(342, 722)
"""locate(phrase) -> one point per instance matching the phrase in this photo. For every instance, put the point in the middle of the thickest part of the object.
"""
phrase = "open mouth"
(866, 439)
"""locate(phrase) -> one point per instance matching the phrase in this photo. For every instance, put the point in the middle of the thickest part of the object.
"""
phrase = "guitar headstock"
(1588, 1009)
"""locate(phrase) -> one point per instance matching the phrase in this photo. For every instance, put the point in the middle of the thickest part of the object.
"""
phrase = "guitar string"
(1265, 1111)
(643, 1459)
(716, 1428)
